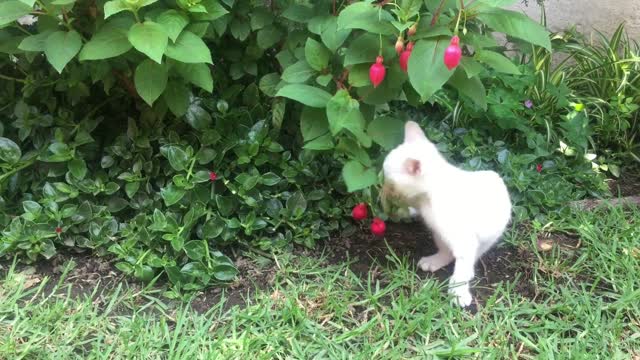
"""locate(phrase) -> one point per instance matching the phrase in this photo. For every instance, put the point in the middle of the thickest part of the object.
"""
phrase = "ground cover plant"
(576, 298)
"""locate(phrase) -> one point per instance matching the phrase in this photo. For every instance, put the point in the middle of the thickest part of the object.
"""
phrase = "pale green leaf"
(149, 38)
(305, 94)
(150, 80)
(61, 47)
(189, 48)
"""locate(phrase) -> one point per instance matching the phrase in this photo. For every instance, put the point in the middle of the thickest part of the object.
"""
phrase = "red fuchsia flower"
(404, 57)
(539, 168)
(359, 212)
(528, 104)
(378, 227)
(377, 72)
(453, 53)
(58, 230)
(213, 176)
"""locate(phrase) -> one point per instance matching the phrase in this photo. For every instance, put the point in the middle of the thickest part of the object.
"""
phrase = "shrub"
(120, 112)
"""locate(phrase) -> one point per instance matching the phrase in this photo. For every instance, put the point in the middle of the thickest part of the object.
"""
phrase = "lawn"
(565, 289)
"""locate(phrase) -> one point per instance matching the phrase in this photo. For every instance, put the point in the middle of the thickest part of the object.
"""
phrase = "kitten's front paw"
(435, 262)
(462, 295)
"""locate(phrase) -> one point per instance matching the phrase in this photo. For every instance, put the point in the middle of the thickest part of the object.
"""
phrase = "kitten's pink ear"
(412, 132)
(412, 166)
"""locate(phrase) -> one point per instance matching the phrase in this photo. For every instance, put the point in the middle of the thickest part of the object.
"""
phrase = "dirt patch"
(627, 185)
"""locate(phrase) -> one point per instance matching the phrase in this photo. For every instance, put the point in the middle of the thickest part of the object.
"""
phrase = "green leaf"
(173, 22)
(471, 67)
(498, 3)
(189, 48)
(214, 11)
(197, 74)
(35, 42)
(172, 194)
(427, 71)
(225, 272)
(343, 112)
(270, 179)
(471, 87)
(497, 61)
(298, 72)
(150, 39)
(9, 151)
(213, 228)
(150, 80)
(315, 129)
(268, 37)
(316, 54)
(296, 204)
(177, 96)
(240, 29)
(333, 37)
(110, 41)
(198, 117)
(261, 17)
(517, 25)
(305, 94)
(131, 189)
(195, 250)
(269, 84)
(113, 7)
(12, 10)
(365, 48)
(357, 177)
(78, 168)
(386, 131)
(298, 13)
(61, 47)
(366, 16)
(178, 158)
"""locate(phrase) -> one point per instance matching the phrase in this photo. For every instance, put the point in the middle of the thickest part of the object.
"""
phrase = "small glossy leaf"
(9, 151)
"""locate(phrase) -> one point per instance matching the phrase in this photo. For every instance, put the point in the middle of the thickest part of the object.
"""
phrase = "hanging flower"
(213, 176)
(539, 168)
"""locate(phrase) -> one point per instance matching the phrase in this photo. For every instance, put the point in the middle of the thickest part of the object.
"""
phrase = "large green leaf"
(173, 22)
(214, 11)
(366, 16)
(149, 38)
(110, 41)
(268, 37)
(12, 10)
(316, 54)
(343, 112)
(115, 6)
(189, 48)
(365, 49)
(61, 47)
(333, 37)
(386, 131)
(35, 42)
(358, 177)
(177, 97)
(427, 71)
(150, 80)
(305, 94)
(497, 61)
(315, 129)
(471, 87)
(517, 25)
(298, 72)
(197, 74)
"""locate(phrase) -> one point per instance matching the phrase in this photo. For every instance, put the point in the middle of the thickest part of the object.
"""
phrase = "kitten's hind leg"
(463, 273)
(435, 262)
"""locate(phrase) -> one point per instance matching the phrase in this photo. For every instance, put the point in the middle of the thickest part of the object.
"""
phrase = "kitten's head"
(406, 166)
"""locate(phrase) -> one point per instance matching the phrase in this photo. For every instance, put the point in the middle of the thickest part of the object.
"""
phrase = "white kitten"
(467, 211)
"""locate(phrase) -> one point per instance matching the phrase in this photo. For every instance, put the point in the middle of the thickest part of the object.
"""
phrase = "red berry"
(539, 168)
(377, 72)
(404, 57)
(412, 30)
(213, 176)
(453, 53)
(378, 227)
(359, 212)
(399, 45)
(58, 230)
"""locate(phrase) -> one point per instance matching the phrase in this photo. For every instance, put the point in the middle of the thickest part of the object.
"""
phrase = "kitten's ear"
(413, 167)
(412, 132)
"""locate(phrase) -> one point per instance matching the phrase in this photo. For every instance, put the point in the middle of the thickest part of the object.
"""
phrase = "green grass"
(587, 305)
